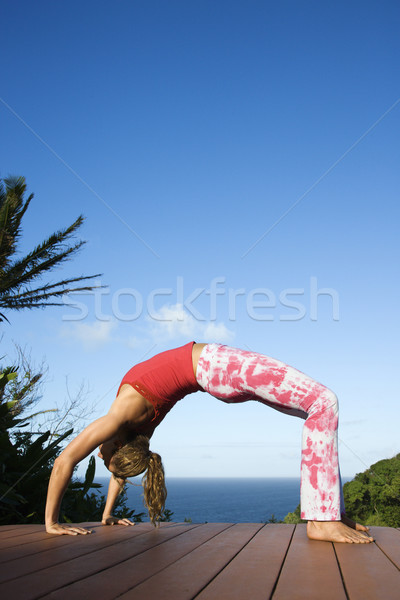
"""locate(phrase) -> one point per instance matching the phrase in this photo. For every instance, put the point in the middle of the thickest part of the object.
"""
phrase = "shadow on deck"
(181, 561)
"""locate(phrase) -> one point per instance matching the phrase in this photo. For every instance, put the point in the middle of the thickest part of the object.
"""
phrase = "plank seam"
(341, 574)
(387, 555)
(283, 562)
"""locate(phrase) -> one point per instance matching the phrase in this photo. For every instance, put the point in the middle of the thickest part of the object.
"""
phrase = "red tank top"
(164, 379)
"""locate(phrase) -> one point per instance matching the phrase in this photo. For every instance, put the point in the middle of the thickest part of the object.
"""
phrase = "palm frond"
(25, 270)
(50, 286)
(33, 299)
(12, 209)
(16, 276)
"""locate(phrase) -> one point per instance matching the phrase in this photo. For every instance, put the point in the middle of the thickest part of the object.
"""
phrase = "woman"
(150, 389)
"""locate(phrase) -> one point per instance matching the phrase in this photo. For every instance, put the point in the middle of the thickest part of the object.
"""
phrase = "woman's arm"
(114, 489)
(95, 434)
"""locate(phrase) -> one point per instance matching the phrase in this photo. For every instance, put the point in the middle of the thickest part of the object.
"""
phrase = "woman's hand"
(110, 520)
(57, 529)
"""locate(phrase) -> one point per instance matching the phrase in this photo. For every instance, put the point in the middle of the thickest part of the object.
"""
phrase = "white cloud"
(218, 332)
(173, 321)
(90, 335)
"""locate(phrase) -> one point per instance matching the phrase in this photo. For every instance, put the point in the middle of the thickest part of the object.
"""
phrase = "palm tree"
(18, 276)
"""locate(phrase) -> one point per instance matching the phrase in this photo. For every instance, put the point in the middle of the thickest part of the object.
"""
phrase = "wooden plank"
(8, 527)
(28, 548)
(109, 583)
(367, 573)
(7, 530)
(25, 538)
(19, 530)
(64, 548)
(189, 575)
(388, 540)
(309, 571)
(48, 579)
(253, 572)
(28, 533)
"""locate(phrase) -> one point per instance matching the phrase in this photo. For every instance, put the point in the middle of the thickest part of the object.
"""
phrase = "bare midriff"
(196, 351)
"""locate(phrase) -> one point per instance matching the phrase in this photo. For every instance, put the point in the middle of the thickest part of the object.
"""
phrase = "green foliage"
(26, 461)
(272, 519)
(373, 497)
(167, 515)
(18, 274)
(25, 390)
(294, 517)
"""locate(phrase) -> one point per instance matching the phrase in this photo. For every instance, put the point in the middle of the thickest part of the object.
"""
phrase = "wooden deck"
(211, 561)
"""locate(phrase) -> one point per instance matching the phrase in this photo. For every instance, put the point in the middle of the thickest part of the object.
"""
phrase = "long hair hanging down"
(134, 458)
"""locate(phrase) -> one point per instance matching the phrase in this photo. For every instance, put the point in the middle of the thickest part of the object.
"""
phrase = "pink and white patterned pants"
(234, 375)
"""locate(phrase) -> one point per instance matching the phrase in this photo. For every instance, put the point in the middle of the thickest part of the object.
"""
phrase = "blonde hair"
(134, 458)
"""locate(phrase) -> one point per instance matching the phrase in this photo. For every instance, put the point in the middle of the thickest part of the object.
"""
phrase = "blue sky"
(231, 159)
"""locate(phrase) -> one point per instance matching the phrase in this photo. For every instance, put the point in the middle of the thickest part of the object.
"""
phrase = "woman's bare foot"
(337, 531)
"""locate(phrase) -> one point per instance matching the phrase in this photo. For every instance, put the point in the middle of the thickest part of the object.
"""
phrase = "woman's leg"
(236, 376)
(321, 489)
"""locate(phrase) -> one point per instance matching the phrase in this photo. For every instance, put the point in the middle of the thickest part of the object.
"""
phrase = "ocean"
(222, 500)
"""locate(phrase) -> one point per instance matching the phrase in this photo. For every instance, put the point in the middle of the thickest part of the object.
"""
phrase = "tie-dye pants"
(234, 375)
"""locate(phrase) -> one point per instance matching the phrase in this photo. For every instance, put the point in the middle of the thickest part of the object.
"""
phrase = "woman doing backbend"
(151, 388)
